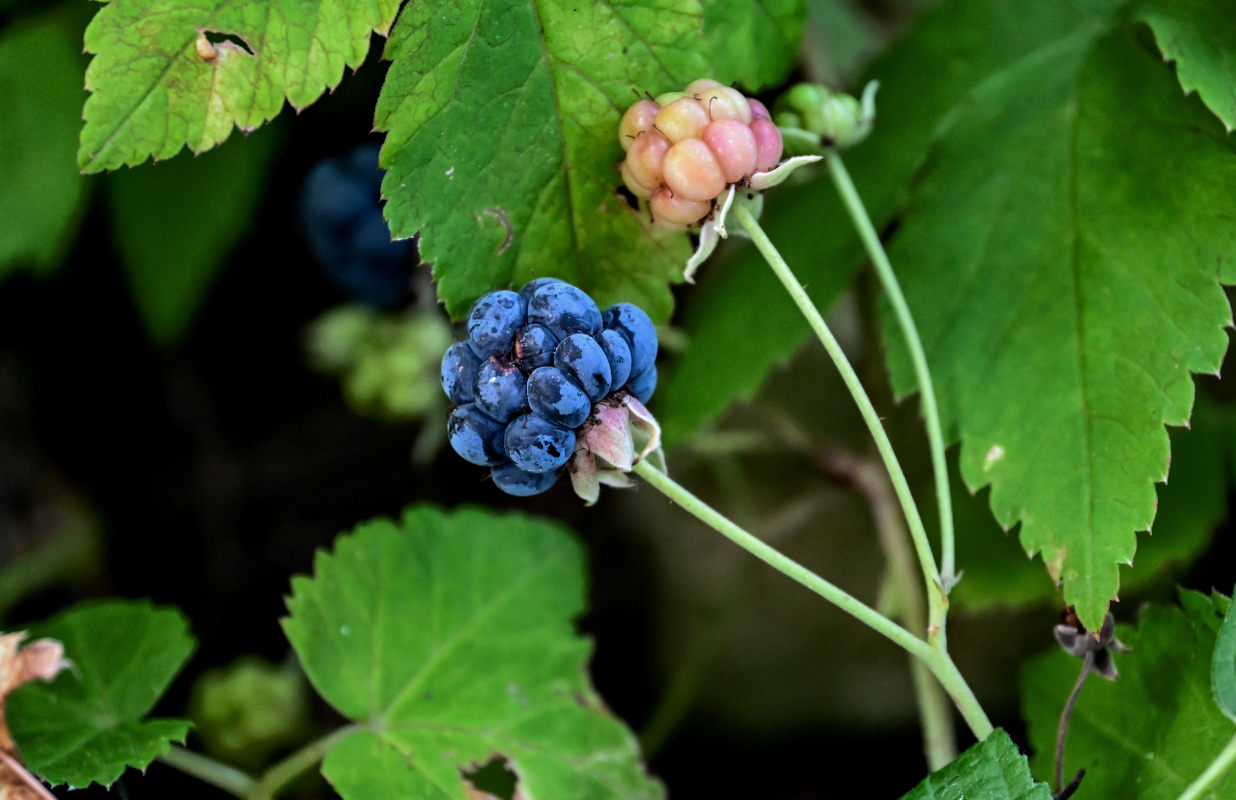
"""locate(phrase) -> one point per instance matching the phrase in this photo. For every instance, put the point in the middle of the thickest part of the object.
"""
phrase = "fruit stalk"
(935, 715)
(931, 413)
(782, 563)
(205, 769)
(933, 655)
(937, 600)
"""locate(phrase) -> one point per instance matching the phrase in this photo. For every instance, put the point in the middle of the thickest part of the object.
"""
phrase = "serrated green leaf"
(156, 87)
(739, 320)
(993, 769)
(1061, 256)
(1150, 733)
(756, 41)
(1200, 36)
(41, 191)
(175, 224)
(87, 725)
(1192, 504)
(502, 146)
(1223, 665)
(448, 638)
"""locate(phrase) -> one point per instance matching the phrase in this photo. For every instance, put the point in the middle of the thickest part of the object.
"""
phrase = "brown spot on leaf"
(499, 213)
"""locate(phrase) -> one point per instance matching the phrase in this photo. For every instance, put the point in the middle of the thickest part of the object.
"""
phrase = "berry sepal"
(749, 195)
(766, 180)
(605, 450)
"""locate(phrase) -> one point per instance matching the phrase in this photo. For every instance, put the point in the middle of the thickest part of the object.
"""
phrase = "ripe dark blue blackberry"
(492, 323)
(500, 390)
(563, 309)
(459, 367)
(618, 353)
(636, 327)
(642, 386)
(475, 436)
(534, 347)
(557, 398)
(582, 360)
(341, 214)
(534, 444)
(515, 481)
(526, 379)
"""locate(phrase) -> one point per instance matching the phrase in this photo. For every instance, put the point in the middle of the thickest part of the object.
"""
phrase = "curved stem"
(935, 714)
(275, 779)
(207, 770)
(782, 563)
(1062, 728)
(942, 666)
(933, 655)
(271, 782)
(931, 413)
(1217, 769)
(936, 598)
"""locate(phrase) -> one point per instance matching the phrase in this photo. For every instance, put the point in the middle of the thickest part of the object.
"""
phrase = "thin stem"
(946, 672)
(275, 779)
(933, 655)
(935, 714)
(931, 413)
(937, 599)
(782, 563)
(935, 717)
(207, 770)
(1062, 729)
(21, 772)
(1217, 769)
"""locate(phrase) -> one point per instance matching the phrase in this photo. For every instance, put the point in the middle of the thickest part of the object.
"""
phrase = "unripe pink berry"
(722, 102)
(758, 109)
(676, 212)
(768, 143)
(734, 146)
(701, 85)
(638, 118)
(682, 119)
(646, 156)
(691, 171)
(637, 188)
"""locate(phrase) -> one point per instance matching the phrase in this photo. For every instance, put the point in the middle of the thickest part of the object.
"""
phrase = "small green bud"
(787, 119)
(247, 711)
(838, 119)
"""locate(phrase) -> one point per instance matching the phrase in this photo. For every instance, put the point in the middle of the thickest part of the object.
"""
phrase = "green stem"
(271, 782)
(935, 717)
(207, 770)
(936, 598)
(935, 714)
(946, 672)
(782, 563)
(932, 655)
(1222, 763)
(275, 779)
(931, 413)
